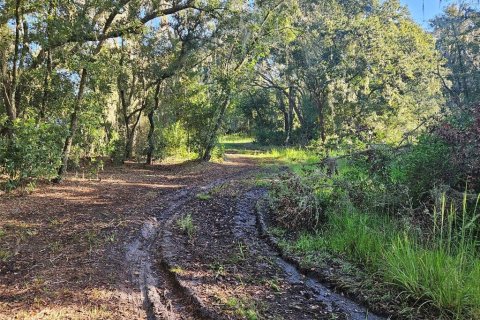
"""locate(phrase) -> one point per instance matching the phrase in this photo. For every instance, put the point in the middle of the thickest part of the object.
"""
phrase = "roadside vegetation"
(371, 122)
(431, 255)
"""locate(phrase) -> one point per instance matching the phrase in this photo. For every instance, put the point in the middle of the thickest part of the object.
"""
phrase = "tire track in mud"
(160, 299)
(253, 219)
(163, 295)
(151, 255)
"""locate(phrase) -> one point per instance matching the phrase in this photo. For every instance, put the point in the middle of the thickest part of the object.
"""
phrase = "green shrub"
(218, 153)
(423, 166)
(33, 152)
(173, 141)
(267, 136)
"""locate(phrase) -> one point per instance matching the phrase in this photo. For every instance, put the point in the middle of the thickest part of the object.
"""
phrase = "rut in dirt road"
(228, 271)
(159, 298)
(246, 227)
(162, 297)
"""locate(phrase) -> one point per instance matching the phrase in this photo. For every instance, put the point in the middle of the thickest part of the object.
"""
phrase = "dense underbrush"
(399, 213)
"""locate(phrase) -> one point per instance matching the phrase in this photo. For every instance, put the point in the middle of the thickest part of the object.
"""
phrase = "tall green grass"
(296, 158)
(442, 269)
(446, 269)
(360, 237)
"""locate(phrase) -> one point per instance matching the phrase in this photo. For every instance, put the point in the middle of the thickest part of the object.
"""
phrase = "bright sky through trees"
(422, 12)
(425, 10)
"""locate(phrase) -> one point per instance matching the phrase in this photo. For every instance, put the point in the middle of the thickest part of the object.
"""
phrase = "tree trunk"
(131, 136)
(46, 86)
(151, 140)
(73, 126)
(298, 112)
(128, 146)
(74, 116)
(10, 87)
(207, 155)
(281, 104)
(291, 107)
(151, 132)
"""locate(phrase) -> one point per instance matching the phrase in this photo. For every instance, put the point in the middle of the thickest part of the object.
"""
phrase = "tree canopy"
(117, 79)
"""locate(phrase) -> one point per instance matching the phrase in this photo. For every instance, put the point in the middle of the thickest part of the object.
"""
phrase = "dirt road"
(162, 242)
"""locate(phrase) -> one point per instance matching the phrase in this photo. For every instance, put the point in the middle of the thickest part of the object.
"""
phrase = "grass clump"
(243, 307)
(203, 196)
(445, 270)
(4, 255)
(186, 225)
(360, 237)
(295, 158)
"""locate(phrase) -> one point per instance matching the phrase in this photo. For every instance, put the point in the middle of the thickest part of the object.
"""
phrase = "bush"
(463, 137)
(422, 167)
(265, 136)
(33, 152)
(172, 140)
(297, 203)
(218, 153)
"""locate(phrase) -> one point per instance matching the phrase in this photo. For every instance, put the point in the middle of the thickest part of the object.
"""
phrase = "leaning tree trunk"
(67, 146)
(207, 154)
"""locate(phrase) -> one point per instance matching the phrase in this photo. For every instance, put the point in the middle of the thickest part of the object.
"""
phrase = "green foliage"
(422, 166)
(456, 32)
(360, 237)
(243, 308)
(267, 136)
(218, 152)
(234, 139)
(203, 196)
(173, 140)
(117, 151)
(436, 262)
(442, 270)
(292, 155)
(297, 202)
(186, 225)
(5, 255)
(446, 269)
(34, 151)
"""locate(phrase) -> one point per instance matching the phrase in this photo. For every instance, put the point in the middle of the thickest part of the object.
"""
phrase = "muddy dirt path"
(223, 268)
(111, 247)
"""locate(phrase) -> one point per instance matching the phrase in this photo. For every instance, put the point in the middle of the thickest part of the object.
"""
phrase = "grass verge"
(443, 271)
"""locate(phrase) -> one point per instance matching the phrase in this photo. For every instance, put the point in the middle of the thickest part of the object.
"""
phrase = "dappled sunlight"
(252, 160)
(89, 304)
(59, 240)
